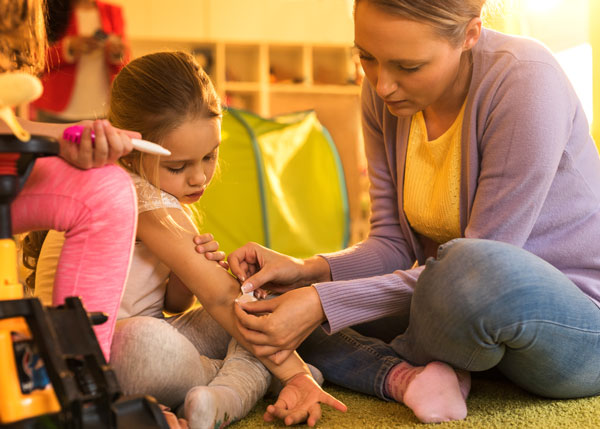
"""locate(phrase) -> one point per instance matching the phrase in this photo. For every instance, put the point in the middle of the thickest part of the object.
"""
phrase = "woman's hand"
(276, 327)
(115, 49)
(109, 145)
(79, 45)
(206, 244)
(256, 266)
(299, 401)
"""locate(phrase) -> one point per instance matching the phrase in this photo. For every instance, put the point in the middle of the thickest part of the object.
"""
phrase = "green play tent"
(280, 184)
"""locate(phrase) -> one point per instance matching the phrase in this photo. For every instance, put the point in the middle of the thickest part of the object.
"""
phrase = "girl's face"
(194, 147)
(410, 66)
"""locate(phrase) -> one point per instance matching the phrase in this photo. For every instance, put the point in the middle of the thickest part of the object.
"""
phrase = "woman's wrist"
(41, 128)
(316, 270)
(318, 312)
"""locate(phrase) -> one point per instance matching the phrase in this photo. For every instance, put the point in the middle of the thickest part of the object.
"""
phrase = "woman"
(475, 141)
(82, 63)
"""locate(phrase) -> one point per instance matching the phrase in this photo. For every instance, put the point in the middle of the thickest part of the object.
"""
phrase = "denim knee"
(480, 298)
(471, 276)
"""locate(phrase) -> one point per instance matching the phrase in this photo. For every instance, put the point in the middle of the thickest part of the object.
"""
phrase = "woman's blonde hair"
(449, 18)
(156, 93)
(22, 36)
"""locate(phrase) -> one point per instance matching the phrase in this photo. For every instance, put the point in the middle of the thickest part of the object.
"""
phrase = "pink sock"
(435, 392)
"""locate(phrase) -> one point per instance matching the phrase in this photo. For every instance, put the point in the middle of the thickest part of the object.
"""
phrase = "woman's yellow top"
(432, 180)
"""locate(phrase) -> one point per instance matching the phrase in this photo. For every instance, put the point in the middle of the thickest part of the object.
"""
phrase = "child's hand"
(206, 244)
(300, 401)
(109, 145)
(172, 420)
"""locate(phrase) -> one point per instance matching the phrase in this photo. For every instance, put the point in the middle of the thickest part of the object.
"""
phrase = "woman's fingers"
(276, 356)
(256, 325)
(101, 146)
(119, 142)
(257, 280)
(239, 261)
(84, 151)
(107, 146)
(258, 307)
(261, 293)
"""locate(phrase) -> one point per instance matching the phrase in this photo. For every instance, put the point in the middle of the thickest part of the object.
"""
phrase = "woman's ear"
(472, 33)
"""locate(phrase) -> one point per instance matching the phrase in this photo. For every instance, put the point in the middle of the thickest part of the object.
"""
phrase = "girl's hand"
(172, 420)
(300, 400)
(277, 326)
(207, 245)
(109, 145)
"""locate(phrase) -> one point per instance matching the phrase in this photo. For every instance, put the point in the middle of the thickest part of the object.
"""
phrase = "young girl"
(170, 100)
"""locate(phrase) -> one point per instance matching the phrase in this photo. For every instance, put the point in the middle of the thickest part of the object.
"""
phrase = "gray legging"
(166, 357)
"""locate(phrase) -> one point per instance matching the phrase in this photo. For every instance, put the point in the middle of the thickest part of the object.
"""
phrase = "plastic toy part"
(16, 89)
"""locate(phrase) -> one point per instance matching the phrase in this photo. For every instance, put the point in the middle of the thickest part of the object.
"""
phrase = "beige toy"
(16, 89)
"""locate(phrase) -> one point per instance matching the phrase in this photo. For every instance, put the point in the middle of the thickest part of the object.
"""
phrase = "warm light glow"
(539, 6)
(577, 64)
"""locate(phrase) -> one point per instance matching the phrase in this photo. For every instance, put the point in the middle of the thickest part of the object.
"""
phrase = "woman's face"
(408, 64)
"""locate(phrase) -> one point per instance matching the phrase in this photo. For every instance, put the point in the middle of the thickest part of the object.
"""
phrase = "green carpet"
(493, 403)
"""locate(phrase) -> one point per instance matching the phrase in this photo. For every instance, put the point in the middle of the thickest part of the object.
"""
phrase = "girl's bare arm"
(212, 284)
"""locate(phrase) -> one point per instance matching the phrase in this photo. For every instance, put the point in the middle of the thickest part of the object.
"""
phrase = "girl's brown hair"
(448, 17)
(155, 94)
(22, 36)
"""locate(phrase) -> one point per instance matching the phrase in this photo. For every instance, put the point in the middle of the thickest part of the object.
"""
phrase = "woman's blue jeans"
(480, 304)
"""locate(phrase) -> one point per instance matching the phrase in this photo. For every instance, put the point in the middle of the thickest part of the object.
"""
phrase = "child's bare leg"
(239, 384)
(435, 392)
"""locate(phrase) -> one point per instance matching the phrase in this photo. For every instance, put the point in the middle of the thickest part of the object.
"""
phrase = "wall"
(319, 21)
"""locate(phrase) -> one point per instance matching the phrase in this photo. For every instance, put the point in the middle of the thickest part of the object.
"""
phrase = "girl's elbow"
(224, 299)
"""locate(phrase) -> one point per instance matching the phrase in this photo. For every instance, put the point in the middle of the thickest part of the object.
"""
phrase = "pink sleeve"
(97, 210)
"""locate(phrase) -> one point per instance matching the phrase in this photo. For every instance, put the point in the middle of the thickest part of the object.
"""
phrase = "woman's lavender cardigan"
(530, 177)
